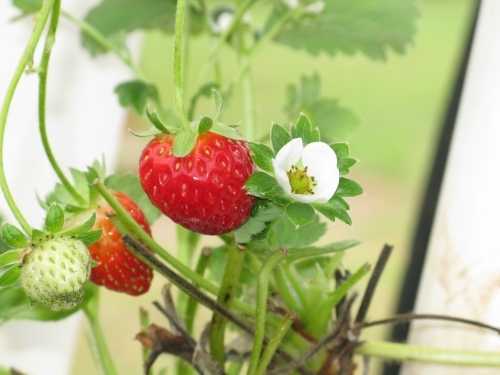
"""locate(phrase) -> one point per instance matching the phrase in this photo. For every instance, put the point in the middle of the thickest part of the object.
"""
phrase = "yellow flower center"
(300, 181)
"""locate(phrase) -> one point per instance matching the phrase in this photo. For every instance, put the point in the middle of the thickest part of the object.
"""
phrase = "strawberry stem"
(97, 341)
(225, 297)
(42, 90)
(26, 57)
(262, 288)
(178, 88)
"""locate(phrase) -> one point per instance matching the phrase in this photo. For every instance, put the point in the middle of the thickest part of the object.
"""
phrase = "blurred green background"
(401, 104)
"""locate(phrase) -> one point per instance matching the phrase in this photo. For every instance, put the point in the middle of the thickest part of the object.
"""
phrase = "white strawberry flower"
(308, 174)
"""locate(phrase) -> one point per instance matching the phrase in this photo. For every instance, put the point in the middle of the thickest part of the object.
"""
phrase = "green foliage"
(332, 120)
(262, 156)
(279, 137)
(290, 236)
(116, 18)
(300, 213)
(263, 212)
(135, 94)
(265, 186)
(9, 257)
(28, 6)
(184, 143)
(304, 130)
(205, 125)
(349, 26)
(10, 275)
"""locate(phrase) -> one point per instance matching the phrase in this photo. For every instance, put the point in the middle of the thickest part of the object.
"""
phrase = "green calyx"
(300, 181)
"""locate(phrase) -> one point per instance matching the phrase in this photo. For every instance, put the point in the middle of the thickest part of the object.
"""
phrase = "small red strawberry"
(118, 269)
(203, 191)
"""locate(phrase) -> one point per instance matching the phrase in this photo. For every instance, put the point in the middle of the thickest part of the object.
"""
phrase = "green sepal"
(226, 131)
(303, 129)
(9, 257)
(31, 302)
(348, 188)
(152, 132)
(54, 221)
(10, 276)
(184, 143)
(262, 156)
(80, 229)
(218, 103)
(205, 125)
(300, 213)
(158, 124)
(335, 208)
(38, 236)
(279, 137)
(13, 237)
(263, 185)
(263, 212)
(90, 237)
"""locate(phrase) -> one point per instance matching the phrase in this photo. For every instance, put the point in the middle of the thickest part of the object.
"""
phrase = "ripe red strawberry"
(203, 191)
(118, 269)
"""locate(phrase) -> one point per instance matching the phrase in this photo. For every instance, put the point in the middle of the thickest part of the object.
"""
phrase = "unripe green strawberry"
(54, 272)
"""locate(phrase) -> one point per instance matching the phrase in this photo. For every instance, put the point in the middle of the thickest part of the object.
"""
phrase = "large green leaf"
(116, 18)
(368, 26)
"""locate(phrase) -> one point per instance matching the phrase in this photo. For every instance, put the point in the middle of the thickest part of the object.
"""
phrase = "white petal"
(327, 185)
(310, 198)
(281, 177)
(289, 154)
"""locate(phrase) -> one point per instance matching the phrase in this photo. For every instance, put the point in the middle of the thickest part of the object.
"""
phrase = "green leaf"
(13, 237)
(279, 137)
(152, 132)
(335, 208)
(184, 143)
(155, 120)
(10, 276)
(28, 6)
(82, 228)
(344, 165)
(300, 213)
(263, 212)
(9, 257)
(89, 238)
(348, 188)
(205, 125)
(54, 220)
(227, 131)
(135, 94)
(262, 156)
(303, 129)
(290, 236)
(265, 186)
(114, 18)
(348, 26)
(315, 251)
(130, 184)
(325, 114)
(218, 102)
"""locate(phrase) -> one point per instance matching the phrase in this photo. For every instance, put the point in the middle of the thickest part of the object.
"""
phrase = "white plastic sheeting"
(84, 122)
(462, 270)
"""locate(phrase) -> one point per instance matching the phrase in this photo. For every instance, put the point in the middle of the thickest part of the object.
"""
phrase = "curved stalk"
(404, 352)
(260, 323)
(26, 57)
(225, 297)
(178, 88)
(42, 91)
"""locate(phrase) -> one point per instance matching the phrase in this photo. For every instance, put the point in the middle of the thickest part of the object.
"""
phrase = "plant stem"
(289, 295)
(227, 291)
(97, 341)
(42, 94)
(104, 42)
(234, 368)
(192, 304)
(405, 352)
(275, 341)
(212, 58)
(257, 47)
(260, 323)
(178, 88)
(144, 323)
(26, 57)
